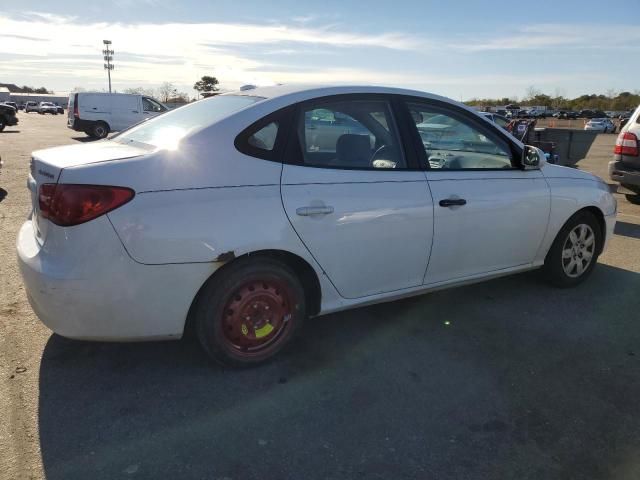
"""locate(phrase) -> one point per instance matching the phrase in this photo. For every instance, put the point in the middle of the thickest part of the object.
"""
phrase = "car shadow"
(85, 139)
(3, 194)
(627, 229)
(498, 378)
(9, 131)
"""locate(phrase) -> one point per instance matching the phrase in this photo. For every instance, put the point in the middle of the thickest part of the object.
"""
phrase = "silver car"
(47, 107)
(625, 167)
(602, 125)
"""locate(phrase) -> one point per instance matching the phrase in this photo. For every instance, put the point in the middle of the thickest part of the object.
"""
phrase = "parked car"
(12, 104)
(536, 114)
(97, 114)
(59, 108)
(31, 107)
(8, 117)
(497, 119)
(602, 125)
(47, 107)
(625, 167)
(226, 217)
(566, 115)
(592, 114)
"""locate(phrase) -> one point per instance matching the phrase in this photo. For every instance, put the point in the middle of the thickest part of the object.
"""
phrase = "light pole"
(108, 57)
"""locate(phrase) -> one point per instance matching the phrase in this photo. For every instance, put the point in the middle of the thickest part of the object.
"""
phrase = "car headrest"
(353, 150)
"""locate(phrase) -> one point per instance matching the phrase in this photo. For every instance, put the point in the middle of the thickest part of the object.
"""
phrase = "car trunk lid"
(47, 166)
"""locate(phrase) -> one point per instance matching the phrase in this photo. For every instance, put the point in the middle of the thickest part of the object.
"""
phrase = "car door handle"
(452, 202)
(310, 211)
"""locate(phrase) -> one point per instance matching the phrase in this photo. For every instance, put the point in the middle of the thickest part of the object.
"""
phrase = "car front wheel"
(249, 312)
(575, 251)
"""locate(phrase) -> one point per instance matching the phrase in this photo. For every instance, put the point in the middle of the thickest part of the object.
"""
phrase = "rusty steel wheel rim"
(256, 316)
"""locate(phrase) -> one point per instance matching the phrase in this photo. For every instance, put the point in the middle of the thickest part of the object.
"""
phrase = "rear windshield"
(166, 130)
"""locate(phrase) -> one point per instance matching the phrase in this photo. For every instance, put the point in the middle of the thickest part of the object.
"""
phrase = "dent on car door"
(489, 213)
(349, 193)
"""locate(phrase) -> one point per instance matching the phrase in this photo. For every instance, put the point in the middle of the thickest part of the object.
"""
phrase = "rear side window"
(265, 138)
(354, 134)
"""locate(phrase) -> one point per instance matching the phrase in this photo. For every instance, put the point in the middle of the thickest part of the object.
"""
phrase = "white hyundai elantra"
(241, 215)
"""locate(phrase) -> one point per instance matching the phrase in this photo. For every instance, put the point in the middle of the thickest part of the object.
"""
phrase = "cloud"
(152, 53)
(563, 36)
(61, 52)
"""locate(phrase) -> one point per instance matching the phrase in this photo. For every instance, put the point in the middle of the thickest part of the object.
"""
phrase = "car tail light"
(626, 144)
(70, 204)
(76, 113)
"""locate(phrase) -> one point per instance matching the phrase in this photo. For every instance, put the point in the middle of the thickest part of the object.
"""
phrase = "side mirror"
(532, 158)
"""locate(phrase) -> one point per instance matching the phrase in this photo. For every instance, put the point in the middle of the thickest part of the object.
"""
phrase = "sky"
(460, 49)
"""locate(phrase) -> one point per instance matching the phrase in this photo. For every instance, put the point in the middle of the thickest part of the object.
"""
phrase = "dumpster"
(570, 145)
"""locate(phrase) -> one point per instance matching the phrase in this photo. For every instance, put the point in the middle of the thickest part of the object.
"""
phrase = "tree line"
(24, 89)
(612, 101)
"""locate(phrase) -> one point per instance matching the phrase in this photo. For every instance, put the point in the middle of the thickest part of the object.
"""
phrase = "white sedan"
(602, 125)
(241, 215)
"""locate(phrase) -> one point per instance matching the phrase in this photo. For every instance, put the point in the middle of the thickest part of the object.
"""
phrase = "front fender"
(568, 196)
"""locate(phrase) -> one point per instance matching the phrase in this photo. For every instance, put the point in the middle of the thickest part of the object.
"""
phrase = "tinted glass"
(166, 130)
(452, 142)
(265, 138)
(350, 134)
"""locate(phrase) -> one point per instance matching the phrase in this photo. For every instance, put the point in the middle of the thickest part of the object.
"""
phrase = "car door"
(354, 196)
(490, 214)
(125, 111)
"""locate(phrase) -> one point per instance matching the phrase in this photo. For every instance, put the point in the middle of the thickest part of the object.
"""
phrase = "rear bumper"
(621, 173)
(10, 121)
(82, 284)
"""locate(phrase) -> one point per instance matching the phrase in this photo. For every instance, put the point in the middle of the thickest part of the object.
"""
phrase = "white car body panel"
(514, 203)
(83, 292)
(134, 273)
(378, 235)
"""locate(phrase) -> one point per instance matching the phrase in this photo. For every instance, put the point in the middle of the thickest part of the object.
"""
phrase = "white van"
(97, 114)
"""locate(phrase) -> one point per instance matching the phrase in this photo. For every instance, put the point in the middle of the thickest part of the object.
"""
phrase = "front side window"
(453, 142)
(150, 105)
(349, 134)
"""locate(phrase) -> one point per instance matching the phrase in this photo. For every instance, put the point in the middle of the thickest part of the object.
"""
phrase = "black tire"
(214, 315)
(633, 198)
(2, 124)
(554, 264)
(99, 130)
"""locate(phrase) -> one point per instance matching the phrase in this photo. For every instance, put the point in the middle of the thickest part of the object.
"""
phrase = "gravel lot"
(501, 380)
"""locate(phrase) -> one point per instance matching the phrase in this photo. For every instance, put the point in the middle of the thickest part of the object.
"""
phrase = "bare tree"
(166, 91)
(139, 91)
(532, 92)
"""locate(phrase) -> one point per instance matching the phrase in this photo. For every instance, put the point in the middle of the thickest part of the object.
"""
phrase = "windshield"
(166, 130)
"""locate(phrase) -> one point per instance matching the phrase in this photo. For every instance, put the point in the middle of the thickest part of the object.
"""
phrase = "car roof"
(301, 92)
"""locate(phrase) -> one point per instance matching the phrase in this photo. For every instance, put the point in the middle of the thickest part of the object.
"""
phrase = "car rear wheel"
(99, 130)
(250, 312)
(574, 253)
(2, 124)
